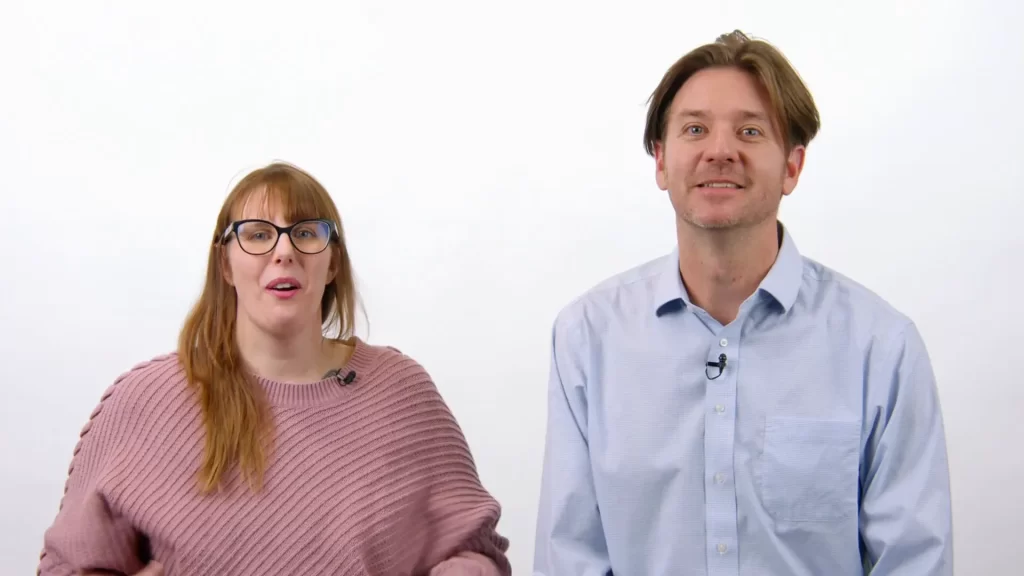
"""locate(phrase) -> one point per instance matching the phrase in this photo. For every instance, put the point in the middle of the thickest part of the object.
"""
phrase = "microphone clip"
(722, 359)
(342, 380)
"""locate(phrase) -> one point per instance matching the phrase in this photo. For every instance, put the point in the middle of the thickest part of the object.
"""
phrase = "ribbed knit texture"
(371, 478)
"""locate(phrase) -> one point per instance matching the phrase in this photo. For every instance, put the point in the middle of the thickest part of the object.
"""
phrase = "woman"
(273, 441)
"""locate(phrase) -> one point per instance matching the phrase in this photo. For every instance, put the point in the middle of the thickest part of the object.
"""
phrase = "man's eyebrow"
(704, 114)
(751, 115)
(688, 113)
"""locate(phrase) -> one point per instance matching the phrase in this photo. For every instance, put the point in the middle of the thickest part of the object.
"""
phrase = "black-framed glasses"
(258, 237)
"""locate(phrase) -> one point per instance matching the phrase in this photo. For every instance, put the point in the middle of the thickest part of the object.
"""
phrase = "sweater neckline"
(325, 390)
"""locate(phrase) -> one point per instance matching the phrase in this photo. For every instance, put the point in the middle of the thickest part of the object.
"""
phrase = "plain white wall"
(488, 165)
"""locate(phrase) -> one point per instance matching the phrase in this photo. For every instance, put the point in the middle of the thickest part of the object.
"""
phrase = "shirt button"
(723, 342)
(719, 478)
(719, 408)
(722, 548)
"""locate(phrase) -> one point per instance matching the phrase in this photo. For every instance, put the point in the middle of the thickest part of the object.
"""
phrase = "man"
(734, 408)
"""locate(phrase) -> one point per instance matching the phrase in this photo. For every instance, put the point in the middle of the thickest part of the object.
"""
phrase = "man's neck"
(298, 358)
(722, 268)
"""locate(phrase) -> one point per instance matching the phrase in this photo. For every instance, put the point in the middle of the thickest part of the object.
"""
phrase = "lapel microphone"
(342, 380)
(722, 358)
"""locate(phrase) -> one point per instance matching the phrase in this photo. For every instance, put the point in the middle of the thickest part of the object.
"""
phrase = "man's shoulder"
(854, 300)
(627, 291)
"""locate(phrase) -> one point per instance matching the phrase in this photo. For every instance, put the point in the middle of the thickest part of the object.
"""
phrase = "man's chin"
(712, 222)
(725, 219)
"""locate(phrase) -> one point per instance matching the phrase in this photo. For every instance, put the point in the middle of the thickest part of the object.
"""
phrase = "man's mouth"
(719, 184)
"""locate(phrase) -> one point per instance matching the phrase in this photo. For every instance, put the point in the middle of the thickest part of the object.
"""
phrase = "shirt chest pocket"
(809, 469)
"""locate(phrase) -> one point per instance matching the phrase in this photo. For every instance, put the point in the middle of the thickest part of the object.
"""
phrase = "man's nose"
(721, 147)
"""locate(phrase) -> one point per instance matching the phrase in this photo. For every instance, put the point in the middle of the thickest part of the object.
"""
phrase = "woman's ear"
(225, 267)
(332, 270)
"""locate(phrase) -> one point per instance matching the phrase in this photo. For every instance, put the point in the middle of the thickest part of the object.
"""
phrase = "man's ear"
(794, 166)
(660, 174)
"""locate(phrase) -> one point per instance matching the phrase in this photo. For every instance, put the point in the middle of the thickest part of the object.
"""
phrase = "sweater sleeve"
(461, 516)
(86, 533)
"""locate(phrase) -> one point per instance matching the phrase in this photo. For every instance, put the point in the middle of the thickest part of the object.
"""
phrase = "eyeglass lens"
(310, 236)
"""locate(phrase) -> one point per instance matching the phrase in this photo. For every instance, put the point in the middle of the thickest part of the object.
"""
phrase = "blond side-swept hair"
(796, 115)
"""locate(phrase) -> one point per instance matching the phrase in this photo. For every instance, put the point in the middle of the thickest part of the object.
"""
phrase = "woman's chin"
(285, 325)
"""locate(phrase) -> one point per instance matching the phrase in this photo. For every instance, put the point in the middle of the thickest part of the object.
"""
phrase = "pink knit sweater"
(370, 477)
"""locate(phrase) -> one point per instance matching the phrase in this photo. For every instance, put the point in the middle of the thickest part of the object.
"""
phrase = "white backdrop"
(488, 165)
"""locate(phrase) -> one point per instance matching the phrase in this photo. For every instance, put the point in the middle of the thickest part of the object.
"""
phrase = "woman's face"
(278, 292)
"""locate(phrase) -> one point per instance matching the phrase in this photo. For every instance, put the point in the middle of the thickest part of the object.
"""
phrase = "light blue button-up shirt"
(818, 450)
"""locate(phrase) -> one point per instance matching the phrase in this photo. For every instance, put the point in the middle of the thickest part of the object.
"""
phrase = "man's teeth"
(719, 185)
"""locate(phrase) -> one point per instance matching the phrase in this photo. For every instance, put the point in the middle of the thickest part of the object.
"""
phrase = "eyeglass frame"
(232, 229)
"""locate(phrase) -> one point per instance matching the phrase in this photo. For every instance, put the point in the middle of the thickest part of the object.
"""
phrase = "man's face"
(722, 159)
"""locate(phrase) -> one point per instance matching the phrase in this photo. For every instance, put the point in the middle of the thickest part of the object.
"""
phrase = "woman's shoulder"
(394, 366)
(155, 382)
(387, 354)
(397, 377)
(157, 372)
(130, 405)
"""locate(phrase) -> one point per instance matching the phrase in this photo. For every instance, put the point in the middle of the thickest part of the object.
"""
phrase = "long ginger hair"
(236, 418)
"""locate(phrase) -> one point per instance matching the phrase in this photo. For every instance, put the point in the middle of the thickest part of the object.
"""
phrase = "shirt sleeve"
(86, 533)
(569, 538)
(906, 518)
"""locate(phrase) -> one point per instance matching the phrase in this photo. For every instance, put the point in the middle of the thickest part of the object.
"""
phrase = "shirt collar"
(782, 283)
